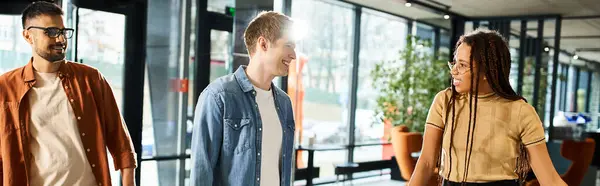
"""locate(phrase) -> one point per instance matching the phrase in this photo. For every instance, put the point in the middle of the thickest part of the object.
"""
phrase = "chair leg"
(350, 180)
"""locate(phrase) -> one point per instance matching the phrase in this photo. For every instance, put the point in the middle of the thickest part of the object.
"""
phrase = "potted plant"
(407, 88)
(408, 85)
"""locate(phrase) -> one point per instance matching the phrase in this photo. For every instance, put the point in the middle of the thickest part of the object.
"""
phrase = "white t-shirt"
(58, 155)
(271, 138)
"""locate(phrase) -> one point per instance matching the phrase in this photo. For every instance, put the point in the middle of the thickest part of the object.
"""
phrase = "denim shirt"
(227, 134)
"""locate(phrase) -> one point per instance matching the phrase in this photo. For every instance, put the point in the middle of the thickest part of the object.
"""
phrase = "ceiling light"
(575, 57)
(546, 49)
(407, 4)
(446, 16)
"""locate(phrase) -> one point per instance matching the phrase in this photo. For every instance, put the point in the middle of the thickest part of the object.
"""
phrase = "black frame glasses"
(54, 32)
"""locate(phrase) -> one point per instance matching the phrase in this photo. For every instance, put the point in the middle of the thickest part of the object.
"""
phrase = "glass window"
(528, 72)
(14, 50)
(594, 102)
(513, 45)
(560, 83)
(469, 26)
(564, 87)
(102, 45)
(219, 5)
(220, 47)
(571, 86)
(162, 116)
(445, 44)
(582, 90)
(322, 85)
(191, 102)
(544, 90)
(382, 38)
(425, 32)
(325, 160)
(528, 77)
(102, 38)
(327, 73)
(373, 153)
(150, 174)
(514, 68)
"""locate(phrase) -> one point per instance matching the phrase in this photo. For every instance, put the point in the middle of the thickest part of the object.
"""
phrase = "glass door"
(14, 50)
(100, 43)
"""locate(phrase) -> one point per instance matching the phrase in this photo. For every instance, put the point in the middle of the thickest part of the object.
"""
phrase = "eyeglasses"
(461, 68)
(54, 32)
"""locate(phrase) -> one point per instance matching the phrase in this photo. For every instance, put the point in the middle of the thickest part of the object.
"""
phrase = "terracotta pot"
(405, 143)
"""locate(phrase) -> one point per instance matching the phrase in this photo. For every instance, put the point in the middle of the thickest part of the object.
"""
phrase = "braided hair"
(490, 52)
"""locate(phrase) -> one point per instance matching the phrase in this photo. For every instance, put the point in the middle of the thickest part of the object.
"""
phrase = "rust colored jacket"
(98, 119)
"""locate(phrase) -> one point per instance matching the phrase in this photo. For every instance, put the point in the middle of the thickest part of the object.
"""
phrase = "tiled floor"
(386, 181)
(375, 181)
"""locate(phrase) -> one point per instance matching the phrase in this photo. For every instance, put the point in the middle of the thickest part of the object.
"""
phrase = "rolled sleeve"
(126, 160)
(119, 142)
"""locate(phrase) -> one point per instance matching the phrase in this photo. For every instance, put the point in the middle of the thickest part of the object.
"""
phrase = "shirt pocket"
(237, 135)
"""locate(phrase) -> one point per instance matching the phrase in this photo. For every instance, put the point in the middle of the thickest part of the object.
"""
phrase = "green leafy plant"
(408, 85)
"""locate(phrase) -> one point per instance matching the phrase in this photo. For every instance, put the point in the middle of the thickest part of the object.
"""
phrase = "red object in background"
(296, 93)
(180, 85)
(387, 152)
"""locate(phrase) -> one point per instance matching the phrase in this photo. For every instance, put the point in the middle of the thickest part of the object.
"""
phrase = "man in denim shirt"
(244, 125)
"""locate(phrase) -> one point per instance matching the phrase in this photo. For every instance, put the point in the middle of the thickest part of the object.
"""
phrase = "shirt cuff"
(125, 160)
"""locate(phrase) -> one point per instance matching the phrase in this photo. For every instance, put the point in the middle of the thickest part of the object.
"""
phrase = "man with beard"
(57, 117)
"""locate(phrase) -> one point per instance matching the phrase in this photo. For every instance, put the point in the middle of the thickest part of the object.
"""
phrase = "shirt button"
(72, 100)
(66, 87)
(78, 118)
(88, 150)
(99, 184)
(257, 179)
(259, 129)
(83, 134)
(93, 165)
(235, 125)
(259, 153)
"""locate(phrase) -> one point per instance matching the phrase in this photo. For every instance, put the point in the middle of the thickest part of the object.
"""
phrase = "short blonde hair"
(270, 25)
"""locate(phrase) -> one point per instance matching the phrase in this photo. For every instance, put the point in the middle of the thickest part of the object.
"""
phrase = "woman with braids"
(479, 131)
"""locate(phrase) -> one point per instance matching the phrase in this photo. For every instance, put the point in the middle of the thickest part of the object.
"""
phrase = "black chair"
(344, 169)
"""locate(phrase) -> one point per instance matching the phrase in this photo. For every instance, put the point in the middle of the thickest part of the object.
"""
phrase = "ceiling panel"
(491, 8)
(523, 7)
(397, 7)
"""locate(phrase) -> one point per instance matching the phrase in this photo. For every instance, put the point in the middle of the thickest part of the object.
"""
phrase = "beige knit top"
(501, 126)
